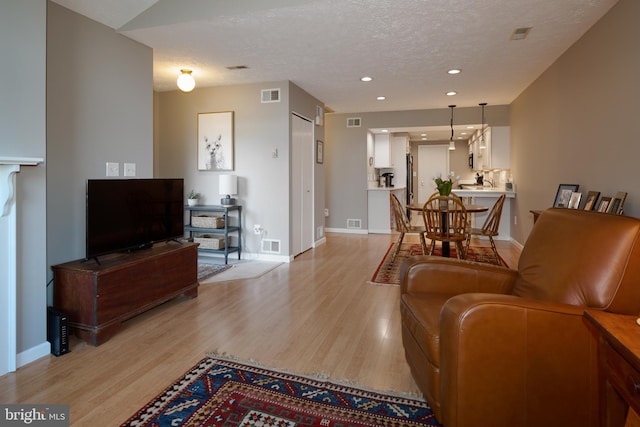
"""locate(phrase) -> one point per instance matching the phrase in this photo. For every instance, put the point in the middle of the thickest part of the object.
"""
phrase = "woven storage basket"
(207, 221)
(209, 242)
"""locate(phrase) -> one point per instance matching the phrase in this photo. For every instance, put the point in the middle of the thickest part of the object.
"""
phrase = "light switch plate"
(113, 169)
(129, 169)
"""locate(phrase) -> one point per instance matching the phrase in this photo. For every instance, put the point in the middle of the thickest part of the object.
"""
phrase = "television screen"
(128, 214)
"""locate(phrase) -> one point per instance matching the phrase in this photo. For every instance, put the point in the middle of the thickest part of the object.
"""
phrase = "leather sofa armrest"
(502, 354)
(431, 274)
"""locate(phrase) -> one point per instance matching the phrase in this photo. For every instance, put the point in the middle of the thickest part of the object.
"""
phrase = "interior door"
(302, 164)
(432, 160)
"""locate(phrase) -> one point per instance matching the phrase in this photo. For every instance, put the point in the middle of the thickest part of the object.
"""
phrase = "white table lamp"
(227, 186)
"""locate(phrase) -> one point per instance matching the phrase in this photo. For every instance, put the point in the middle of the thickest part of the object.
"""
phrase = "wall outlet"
(326, 212)
(113, 169)
(129, 169)
(257, 229)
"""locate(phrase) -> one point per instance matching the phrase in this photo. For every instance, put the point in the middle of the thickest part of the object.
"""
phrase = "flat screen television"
(130, 214)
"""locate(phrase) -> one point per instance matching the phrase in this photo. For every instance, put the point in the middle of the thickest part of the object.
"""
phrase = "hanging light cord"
(452, 107)
(482, 142)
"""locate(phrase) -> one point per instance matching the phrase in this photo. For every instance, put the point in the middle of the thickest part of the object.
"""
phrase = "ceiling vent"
(237, 67)
(520, 33)
(270, 95)
(354, 122)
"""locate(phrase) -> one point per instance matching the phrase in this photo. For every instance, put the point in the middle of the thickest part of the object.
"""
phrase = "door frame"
(299, 242)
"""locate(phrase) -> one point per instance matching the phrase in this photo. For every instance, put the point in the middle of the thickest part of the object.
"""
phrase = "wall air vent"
(354, 122)
(270, 95)
(520, 33)
(354, 223)
(271, 246)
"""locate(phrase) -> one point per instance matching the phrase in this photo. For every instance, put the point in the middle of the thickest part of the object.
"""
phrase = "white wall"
(576, 124)
(22, 134)
(263, 181)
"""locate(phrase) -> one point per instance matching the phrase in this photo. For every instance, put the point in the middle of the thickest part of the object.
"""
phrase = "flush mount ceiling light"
(452, 144)
(186, 83)
(483, 142)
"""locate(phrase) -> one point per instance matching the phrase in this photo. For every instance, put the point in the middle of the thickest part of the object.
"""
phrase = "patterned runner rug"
(388, 272)
(219, 392)
(207, 270)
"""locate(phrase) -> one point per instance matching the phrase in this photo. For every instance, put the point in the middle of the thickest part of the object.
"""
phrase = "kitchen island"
(488, 196)
(379, 209)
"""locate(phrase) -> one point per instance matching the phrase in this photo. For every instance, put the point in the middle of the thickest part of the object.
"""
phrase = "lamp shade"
(186, 83)
(228, 184)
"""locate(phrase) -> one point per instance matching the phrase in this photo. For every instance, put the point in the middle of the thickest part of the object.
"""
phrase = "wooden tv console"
(99, 297)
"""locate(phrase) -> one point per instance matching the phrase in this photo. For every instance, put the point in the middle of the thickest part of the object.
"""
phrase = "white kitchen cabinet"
(383, 154)
(496, 153)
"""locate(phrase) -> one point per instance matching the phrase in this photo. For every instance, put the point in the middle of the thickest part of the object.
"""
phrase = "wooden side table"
(619, 365)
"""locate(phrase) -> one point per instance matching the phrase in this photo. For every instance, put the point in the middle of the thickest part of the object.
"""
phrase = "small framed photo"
(574, 201)
(592, 199)
(319, 151)
(563, 195)
(622, 196)
(603, 205)
(614, 205)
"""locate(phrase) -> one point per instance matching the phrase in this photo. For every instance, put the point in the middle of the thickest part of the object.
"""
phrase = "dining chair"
(403, 226)
(445, 220)
(489, 228)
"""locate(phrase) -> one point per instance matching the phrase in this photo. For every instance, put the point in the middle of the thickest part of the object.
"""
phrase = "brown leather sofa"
(492, 346)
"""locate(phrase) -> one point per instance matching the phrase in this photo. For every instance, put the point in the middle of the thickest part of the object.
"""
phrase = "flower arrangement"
(445, 185)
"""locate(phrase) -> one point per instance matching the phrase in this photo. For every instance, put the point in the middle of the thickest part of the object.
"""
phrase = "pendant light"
(452, 144)
(186, 83)
(483, 142)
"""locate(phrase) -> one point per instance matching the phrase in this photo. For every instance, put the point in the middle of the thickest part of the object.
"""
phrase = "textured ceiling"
(325, 46)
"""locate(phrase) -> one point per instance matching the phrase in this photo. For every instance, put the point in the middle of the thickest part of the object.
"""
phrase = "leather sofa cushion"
(421, 316)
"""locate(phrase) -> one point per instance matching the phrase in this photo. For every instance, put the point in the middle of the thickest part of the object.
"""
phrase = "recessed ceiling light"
(454, 71)
(424, 138)
(463, 133)
(381, 98)
(366, 79)
(471, 127)
(452, 93)
(384, 130)
(423, 134)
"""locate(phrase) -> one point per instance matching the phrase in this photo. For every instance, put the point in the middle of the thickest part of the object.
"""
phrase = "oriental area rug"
(207, 270)
(388, 272)
(220, 392)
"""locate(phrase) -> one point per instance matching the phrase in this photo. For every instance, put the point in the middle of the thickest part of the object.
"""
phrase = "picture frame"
(622, 196)
(603, 205)
(614, 205)
(215, 141)
(319, 151)
(592, 199)
(574, 201)
(563, 195)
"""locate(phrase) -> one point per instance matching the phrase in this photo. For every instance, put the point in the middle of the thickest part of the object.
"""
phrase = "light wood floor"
(315, 315)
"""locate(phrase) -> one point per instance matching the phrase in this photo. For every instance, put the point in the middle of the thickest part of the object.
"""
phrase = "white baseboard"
(32, 354)
(346, 230)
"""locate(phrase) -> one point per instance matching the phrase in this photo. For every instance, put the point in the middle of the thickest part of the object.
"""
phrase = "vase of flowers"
(445, 185)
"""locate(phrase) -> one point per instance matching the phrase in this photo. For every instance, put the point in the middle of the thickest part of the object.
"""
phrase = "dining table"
(471, 208)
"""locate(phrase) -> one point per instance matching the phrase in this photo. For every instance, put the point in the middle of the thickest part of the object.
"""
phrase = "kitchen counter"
(379, 218)
(385, 188)
(483, 192)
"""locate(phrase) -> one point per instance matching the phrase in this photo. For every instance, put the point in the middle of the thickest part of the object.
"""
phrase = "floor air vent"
(354, 122)
(271, 246)
(270, 95)
(354, 223)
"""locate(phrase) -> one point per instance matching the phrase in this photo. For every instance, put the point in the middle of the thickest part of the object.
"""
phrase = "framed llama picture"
(215, 141)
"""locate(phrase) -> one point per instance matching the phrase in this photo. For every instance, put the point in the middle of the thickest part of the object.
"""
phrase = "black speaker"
(58, 331)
